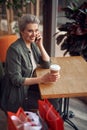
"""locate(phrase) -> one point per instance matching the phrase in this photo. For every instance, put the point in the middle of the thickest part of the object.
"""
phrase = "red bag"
(50, 115)
(20, 114)
(16, 120)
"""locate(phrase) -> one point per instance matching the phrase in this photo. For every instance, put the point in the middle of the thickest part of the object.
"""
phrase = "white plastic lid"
(55, 67)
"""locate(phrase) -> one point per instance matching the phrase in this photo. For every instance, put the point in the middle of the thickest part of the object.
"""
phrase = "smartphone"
(36, 39)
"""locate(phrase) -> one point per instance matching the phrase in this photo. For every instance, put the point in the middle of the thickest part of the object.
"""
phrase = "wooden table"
(73, 81)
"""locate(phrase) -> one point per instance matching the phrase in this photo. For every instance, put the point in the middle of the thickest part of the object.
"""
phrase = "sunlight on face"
(30, 32)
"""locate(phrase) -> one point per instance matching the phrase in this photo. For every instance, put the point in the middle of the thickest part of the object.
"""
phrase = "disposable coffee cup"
(54, 68)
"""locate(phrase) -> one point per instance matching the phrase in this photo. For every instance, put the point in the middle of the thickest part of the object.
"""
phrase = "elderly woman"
(23, 57)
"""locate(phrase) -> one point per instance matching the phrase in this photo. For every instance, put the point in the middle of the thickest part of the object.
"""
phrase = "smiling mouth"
(32, 38)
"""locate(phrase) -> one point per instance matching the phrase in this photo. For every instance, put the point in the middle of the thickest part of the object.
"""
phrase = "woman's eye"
(30, 31)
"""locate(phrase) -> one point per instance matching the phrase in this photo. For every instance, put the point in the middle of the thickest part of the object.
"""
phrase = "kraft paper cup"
(54, 68)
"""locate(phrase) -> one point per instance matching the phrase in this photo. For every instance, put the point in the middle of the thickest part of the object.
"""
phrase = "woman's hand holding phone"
(38, 39)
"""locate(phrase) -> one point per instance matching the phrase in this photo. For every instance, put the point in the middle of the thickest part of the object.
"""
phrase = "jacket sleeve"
(13, 67)
(38, 57)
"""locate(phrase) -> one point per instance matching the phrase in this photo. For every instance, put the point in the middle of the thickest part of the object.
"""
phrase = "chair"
(3, 115)
(1, 70)
(5, 42)
(3, 120)
(1, 76)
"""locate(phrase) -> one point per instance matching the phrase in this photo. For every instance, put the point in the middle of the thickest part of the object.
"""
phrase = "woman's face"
(30, 32)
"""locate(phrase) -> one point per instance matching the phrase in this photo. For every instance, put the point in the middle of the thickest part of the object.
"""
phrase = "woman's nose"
(34, 34)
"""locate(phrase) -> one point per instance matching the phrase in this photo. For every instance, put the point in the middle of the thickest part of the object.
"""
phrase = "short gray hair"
(26, 19)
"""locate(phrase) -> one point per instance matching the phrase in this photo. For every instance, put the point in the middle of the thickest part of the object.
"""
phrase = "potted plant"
(75, 36)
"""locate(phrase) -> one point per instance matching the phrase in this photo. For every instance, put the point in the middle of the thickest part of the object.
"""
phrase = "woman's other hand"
(49, 77)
